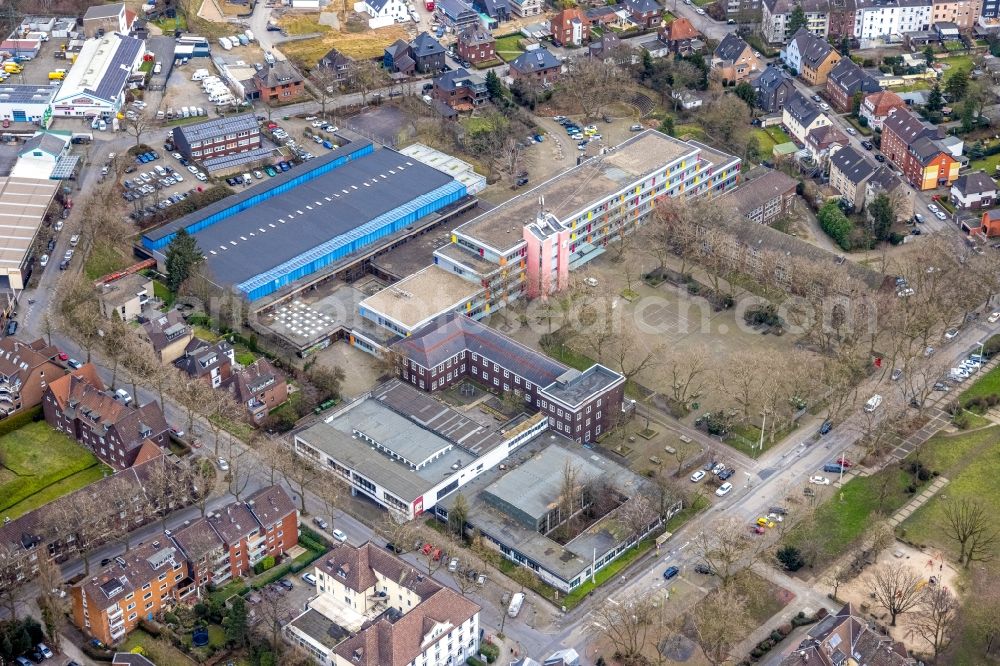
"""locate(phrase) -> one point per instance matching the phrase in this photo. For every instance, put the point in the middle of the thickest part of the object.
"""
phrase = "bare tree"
(398, 531)
(935, 617)
(719, 621)
(627, 624)
(637, 514)
(301, 473)
(570, 497)
(136, 127)
(52, 602)
(222, 411)
(333, 493)
(368, 77)
(591, 83)
(688, 373)
(243, 464)
(896, 588)
(837, 576)
(126, 499)
(727, 548)
(968, 523)
(80, 313)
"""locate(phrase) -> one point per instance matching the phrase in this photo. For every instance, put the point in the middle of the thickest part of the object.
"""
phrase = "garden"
(39, 464)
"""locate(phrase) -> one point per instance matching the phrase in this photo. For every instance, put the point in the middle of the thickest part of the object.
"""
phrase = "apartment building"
(527, 245)
(137, 586)
(849, 632)
(537, 65)
(177, 565)
(460, 89)
(886, 21)
(120, 435)
(373, 609)
(168, 334)
(645, 13)
(26, 369)
(849, 173)
(963, 13)
(811, 57)
(525, 8)
(260, 388)
(733, 60)
(801, 116)
(476, 45)
(775, 14)
(218, 137)
(886, 180)
(101, 19)
(764, 199)
(279, 83)
(916, 148)
(570, 27)
(773, 87)
(845, 81)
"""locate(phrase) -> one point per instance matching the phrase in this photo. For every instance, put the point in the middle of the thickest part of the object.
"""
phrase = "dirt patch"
(362, 45)
(927, 564)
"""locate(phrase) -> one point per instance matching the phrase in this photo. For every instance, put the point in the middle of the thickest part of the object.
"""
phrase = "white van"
(225, 43)
(199, 75)
(515, 604)
(873, 403)
(185, 112)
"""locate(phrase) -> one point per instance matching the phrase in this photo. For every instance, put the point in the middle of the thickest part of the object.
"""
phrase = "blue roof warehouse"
(308, 219)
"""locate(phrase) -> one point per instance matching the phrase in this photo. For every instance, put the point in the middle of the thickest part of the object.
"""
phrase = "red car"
(757, 529)
(63, 356)
(844, 462)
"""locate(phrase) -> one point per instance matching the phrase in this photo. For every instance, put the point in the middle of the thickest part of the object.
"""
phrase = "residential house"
(850, 171)
(260, 388)
(168, 334)
(46, 534)
(989, 227)
(526, 8)
(645, 13)
(336, 68)
(680, 36)
(570, 27)
(845, 81)
(801, 116)
(101, 19)
(875, 108)
(498, 10)
(26, 369)
(383, 12)
(211, 362)
(120, 435)
(915, 147)
(811, 57)
(279, 82)
(877, 21)
(373, 609)
(398, 59)
(137, 586)
(764, 199)
(476, 45)
(460, 90)
(733, 60)
(125, 297)
(609, 46)
(775, 14)
(963, 13)
(427, 53)
(609, 16)
(847, 637)
(687, 99)
(537, 65)
(457, 13)
(773, 86)
(974, 190)
(823, 142)
(886, 180)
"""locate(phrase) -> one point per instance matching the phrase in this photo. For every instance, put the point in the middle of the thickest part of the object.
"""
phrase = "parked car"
(718, 469)
(223, 464)
(287, 584)
(867, 145)
(834, 468)
(951, 334)
(819, 480)
(44, 649)
(826, 427)
(123, 396)
(320, 523)
(339, 536)
(309, 578)
(726, 473)
(896, 375)
(704, 569)
(724, 489)
(671, 572)
(698, 476)
(393, 548)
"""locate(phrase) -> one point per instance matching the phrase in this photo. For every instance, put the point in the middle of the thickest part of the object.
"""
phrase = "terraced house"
(845, 81)
(915, 147)
(25, 371)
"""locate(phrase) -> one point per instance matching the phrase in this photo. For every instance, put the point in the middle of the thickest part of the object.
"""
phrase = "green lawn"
(168, 25)
(988, 384)
(988, 164)
(41, 464)
(858, 126)
(970, 462)
(769, 137)
(957, 63)
(847, 512)
(668, 18)
(509, 47)
(570, 357)
(157, 650)
(104, 259)
(607, 573)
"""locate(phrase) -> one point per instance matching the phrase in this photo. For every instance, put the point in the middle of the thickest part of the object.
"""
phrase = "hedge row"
(21, 419)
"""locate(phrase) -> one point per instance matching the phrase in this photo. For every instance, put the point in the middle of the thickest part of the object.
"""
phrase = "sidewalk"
(918, 501)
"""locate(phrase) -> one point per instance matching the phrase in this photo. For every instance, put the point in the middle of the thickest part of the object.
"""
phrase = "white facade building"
(383, 12)
(374, 609)
(885, 21)
(96, 84)
(26, 104)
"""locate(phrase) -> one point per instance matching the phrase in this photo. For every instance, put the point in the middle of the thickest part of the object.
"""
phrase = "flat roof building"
(218, 137)
(405, 450)
(95, 85)
(23, 202)
(27, 103)
(309, 219)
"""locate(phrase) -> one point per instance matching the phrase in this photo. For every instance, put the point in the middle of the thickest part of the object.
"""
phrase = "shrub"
(756, 653)
(490, 651)
(785, 629)
(21, 419)
(170, 618)
(151, 628)
(472, 661)
(777, 636)
(264, 564)
(791, 558)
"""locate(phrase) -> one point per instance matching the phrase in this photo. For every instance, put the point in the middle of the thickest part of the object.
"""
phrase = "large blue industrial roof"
(281, 229)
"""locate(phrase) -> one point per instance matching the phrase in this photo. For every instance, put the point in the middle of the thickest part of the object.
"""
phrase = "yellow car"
(764, 522)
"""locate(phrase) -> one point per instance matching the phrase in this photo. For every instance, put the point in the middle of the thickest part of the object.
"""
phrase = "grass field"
(509, 47)
(846, 513)
(104, 259)
(958, 62)
(970, 462)
(988, 384)
(41, 464)
(302, 24)
(769, 137)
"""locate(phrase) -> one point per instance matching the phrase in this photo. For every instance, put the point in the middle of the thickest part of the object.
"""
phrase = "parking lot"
(36, 71)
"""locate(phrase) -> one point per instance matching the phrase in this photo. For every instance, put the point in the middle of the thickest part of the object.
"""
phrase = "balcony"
(117, 633)
(114, 614)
